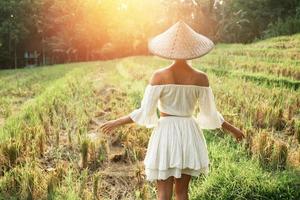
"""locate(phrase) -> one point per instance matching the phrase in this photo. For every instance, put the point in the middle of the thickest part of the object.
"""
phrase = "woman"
(177, 148)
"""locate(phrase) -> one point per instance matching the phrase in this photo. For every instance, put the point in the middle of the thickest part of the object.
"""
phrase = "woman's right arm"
(210, 118)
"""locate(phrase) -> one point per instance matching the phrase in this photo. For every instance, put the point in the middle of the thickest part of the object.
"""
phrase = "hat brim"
(178, 58)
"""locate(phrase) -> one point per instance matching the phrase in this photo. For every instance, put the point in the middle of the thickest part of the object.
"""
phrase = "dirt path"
(121, 178)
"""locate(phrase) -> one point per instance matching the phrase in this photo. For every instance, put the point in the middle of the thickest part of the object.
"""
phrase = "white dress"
(177, 145)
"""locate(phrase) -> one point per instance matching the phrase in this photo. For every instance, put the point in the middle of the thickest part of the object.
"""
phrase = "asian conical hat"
(180, 41)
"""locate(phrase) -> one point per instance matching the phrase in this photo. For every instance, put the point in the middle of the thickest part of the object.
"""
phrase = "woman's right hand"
(239, 135)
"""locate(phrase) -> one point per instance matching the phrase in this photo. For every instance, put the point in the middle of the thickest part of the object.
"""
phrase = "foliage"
(83, 30)
(290, 25)
(243, 21)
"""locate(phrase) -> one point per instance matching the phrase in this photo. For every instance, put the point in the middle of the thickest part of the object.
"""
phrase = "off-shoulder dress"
(177, 144)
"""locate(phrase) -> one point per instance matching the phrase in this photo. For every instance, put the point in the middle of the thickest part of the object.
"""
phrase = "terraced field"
(19, 86)
(52, 148)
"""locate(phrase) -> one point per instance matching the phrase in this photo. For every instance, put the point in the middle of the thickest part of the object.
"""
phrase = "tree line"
(42, 32)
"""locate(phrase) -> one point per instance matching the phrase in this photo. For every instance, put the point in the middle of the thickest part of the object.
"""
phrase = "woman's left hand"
(109, 126)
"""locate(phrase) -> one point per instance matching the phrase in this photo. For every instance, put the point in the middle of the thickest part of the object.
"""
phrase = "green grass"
(235, 176)
(278, 57)
(46, 152)
(21, 85)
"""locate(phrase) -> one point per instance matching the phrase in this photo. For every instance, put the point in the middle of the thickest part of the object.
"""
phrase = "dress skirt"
(176, 146)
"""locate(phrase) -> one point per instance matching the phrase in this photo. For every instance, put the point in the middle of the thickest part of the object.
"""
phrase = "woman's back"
(179, 87)
(179, 73)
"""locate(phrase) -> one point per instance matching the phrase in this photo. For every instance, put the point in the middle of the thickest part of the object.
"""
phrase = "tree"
(12, 28)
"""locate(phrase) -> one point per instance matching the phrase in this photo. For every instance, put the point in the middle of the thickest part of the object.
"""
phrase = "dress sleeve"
(146, 115)
(209, 117)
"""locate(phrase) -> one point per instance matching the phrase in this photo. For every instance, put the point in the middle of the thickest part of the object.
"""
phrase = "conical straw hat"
(180, 41)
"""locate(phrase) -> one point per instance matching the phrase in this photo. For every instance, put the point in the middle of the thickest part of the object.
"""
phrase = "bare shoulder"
(201, 78)
(157, 76)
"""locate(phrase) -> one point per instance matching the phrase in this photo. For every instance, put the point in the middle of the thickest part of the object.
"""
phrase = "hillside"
(52, 148)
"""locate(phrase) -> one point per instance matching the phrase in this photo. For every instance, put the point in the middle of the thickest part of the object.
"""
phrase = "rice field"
(51, 146)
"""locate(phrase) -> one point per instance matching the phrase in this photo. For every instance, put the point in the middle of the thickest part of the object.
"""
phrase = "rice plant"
(130, 152)
(41, 143)
(96, 179)
(10, 152)
(297, 131)
(103, 150)
(280, 154)
(52, 185)
(84, 150)
(83, 183)
(265, 149)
